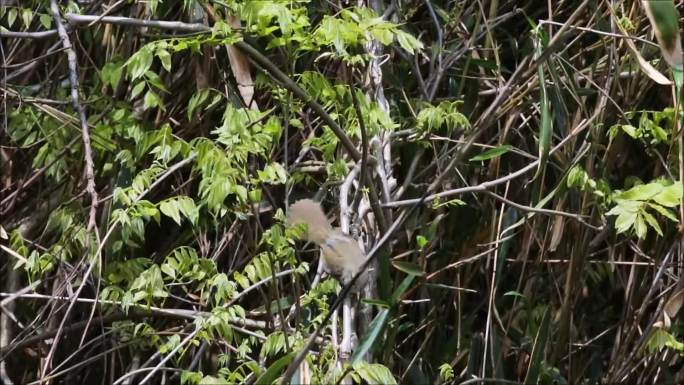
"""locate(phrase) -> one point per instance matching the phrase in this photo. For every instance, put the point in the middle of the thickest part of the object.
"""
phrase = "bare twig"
(78, 107)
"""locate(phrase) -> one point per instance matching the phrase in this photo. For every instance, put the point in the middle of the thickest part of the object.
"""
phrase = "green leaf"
(537, 357)
(11, 16)
(664, 18)
(630, 130)
(273, 173)
(408, 42)
(165, 58)
(137, 89)
(652, 222)
(663, 211)
(46, 21)
(254, 195)
(155, 80)
(399, 290)
(642, 192)
(214, 101)
(640, 226)
(678, 76)
(486, 64)
(197, 100)
(376, 302)
(27, 16)
(409, 268)
(273, 371)
(625, 206)
(446, 372)
(188, 208)
(188, 377)
(374, 374)
(221, 29)
(139, 63)
(169, 270)
(374, 330)
(577, 177)
(383, 35)
(111, 74)
(670, 196)
(171, 209)
(660, 339)
(421, 241)
(625, 221)
(492, 153)
(241, 192)
(241, 280)
(151, 100)
(513, 293)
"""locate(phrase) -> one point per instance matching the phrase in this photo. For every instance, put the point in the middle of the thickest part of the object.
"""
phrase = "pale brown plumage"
(342, 255)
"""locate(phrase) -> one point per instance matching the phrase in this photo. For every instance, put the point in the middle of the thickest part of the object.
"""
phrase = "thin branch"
(88, 20)
(364, 141)
(27, 35)
(85, 132)
(257, 284)
(530, 209)
(168, 356)
(142, 370)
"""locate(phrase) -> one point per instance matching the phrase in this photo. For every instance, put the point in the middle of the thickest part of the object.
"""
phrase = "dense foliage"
(513, 169)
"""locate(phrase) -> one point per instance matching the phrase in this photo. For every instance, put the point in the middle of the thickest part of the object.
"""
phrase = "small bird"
(341, 253)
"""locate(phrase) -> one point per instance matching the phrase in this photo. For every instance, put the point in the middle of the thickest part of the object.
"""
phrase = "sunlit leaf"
(492, 153)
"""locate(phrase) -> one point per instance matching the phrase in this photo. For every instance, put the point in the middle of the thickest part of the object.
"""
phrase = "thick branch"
(76, 19)
(78, 107)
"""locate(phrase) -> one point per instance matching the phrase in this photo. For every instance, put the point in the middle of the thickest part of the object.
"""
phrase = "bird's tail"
(310, 213)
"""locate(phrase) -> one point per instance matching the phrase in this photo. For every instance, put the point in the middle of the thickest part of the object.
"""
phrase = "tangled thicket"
(512, 167)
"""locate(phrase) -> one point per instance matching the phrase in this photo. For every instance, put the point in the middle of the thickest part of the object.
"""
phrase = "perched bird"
(341, 253)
